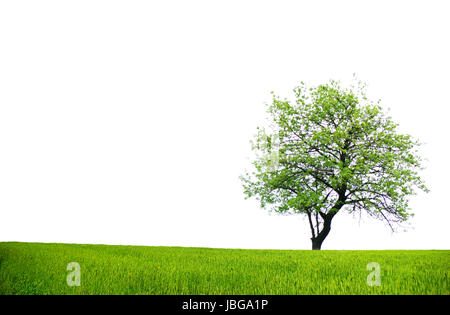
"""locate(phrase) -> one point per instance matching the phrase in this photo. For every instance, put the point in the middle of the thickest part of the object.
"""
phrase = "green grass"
(36, 268)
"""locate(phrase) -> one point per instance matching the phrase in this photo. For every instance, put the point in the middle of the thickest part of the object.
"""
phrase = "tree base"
(316, 244)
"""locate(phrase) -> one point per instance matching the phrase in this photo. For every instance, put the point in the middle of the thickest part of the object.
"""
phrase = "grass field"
(36, 268)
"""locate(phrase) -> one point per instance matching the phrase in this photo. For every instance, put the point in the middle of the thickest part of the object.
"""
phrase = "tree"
(331, 150)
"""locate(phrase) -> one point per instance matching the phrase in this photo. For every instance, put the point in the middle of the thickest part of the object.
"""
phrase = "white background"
(128, 122)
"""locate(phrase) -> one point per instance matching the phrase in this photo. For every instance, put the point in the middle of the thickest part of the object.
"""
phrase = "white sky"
(128, 122)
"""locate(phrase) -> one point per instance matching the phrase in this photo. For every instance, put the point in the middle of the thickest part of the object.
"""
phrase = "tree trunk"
(316, 244)
(318, 240)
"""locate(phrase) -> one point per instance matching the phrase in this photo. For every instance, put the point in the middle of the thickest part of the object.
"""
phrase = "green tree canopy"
(330, 150)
